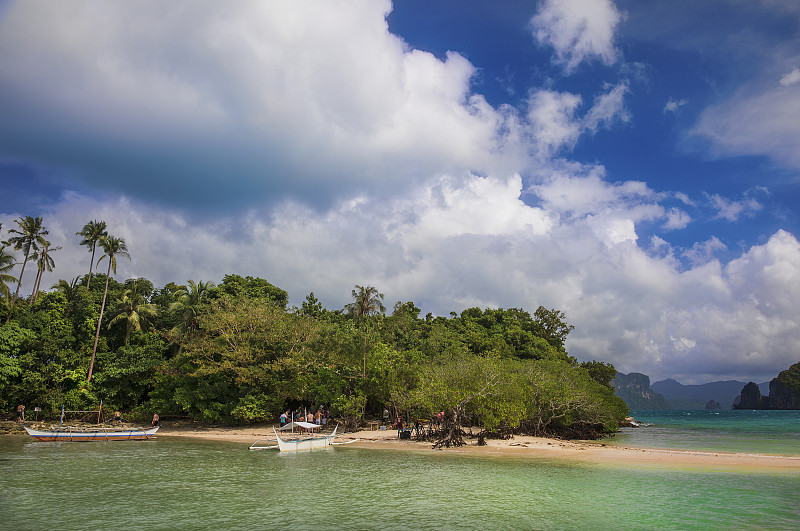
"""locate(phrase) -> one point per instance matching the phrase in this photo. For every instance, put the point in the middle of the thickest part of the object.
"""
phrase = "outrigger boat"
(311, 442)
(70, 434)
(90, 433)
(303, 442)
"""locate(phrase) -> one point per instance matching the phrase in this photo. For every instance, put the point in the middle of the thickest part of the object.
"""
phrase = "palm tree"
(188, 304)
(69, 289)
(92, 233)
(112, 247)
(366, 301)
(30, 236)
(134, 310)
(7, 263)
(45, 261)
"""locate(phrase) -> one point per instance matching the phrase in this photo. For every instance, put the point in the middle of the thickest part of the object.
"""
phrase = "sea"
(175, 483)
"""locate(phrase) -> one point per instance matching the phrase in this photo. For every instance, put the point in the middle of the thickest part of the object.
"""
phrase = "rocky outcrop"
(784, 392)
(634, 389)
(751, 398)
(713, 404)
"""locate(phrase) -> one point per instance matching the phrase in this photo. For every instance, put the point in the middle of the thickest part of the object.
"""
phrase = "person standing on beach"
(284, 416)
(118, 417)
(155, 419)
(20, 413)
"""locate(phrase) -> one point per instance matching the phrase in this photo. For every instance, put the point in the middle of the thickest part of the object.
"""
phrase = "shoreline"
(586, 452)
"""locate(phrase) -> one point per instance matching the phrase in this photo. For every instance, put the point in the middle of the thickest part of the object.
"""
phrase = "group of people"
(319, 417)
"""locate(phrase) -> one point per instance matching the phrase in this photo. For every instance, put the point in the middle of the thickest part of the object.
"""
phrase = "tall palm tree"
(366, 301)
(30, 236)
(133, 310)
(45, 262)
(92, 233)
(112, 247)
(7, 263)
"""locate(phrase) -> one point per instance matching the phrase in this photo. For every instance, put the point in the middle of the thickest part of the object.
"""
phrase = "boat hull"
(69, 435)
(310, 443)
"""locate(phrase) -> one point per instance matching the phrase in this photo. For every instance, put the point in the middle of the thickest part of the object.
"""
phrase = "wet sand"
(590, 452)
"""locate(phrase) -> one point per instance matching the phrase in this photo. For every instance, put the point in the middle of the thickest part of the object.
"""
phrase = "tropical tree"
(45, 262)
(112, 247)
(29, 236)
(92, 233)
(188, 304)
(133, 310)
(69, 289)
(7, 263)
(366, 301)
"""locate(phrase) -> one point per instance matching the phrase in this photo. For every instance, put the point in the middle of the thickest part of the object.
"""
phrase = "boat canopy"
(306, 425)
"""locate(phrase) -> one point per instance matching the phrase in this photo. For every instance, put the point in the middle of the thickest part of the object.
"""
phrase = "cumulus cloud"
(455, 243)
(313, 102)
(677, 219)
(554, 123)
(578, 30)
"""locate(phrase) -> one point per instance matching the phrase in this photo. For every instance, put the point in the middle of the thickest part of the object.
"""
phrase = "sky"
(634, 164)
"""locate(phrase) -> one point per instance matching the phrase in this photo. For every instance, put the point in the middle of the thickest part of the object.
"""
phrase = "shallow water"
(747, 431)
(171, 483)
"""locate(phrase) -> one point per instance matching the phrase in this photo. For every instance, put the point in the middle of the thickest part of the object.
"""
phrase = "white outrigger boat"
(308, 441)
(70, 434)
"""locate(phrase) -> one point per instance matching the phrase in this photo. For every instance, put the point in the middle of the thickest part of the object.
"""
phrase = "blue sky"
(635, 164)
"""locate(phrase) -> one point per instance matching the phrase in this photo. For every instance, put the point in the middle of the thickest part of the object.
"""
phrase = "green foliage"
(232, 353)
(248, 287)
(602, 372)
(790, 378)
(12, 337)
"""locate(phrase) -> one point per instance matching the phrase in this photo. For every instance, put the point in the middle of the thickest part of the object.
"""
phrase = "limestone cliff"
(634, 389)
(784, 392)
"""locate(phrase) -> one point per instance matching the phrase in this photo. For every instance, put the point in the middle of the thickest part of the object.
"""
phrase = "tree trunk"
(37, 284)
(451, 434)
(100, 320)
(19, 282)
(94, 247)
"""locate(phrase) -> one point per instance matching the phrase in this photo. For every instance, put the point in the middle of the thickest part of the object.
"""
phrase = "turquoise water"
(172, 483)
(759, 432)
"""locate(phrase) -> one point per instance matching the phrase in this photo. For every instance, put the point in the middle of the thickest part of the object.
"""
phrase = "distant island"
(784, 392)
(635, 389)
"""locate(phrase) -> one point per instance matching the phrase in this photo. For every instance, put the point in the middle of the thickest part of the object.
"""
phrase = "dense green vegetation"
(235, 353)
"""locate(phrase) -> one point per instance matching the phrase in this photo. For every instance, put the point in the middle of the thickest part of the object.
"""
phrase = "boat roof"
(306, 425)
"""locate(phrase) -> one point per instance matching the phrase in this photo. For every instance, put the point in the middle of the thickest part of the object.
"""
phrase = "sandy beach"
(591, 452)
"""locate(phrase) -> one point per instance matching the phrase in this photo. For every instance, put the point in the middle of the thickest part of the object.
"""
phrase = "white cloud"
(553, 121)
(732, 210)
(578, 30)
(704, 252)
(454, 243)
(315, 101)
(790, 78)
(674, 105)
(607, 108)
(758, 119)
(677, 219)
